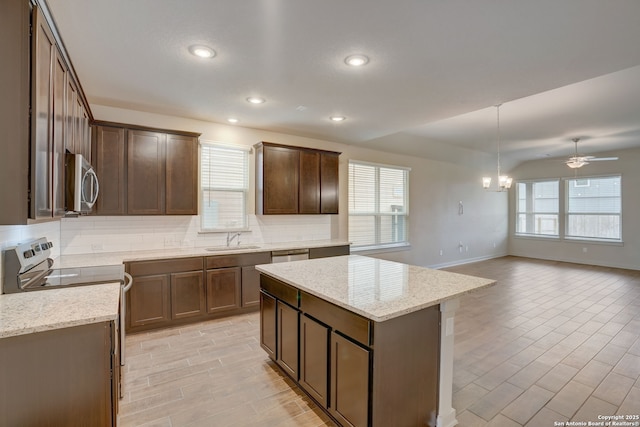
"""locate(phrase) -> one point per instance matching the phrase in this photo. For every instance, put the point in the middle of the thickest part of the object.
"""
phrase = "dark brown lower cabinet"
(251, 286)
(177, 291)
(187, 294)
(268, 324)
(223, 289)
(314, 359)
(287, 338)
(350, 367)
(62, 377)
(148, 301)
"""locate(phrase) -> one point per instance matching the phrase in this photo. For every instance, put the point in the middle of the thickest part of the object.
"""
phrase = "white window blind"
(224, 178)
(594, 208)
(537, 210)
(378, 205)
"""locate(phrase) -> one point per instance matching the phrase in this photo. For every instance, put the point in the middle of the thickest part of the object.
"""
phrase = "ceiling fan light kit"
(504, 181)
(577, 161)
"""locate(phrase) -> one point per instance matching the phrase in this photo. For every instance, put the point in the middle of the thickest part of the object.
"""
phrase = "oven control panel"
(31, 253)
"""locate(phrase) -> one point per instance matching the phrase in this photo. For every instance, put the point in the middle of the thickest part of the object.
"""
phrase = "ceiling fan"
(577, 161)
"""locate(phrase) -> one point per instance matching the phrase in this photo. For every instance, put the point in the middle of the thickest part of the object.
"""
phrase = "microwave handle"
(90, 201)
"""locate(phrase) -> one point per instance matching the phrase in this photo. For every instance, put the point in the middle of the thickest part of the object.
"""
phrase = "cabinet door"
(223, 289)
(182, 175)
(268, 324)
(329, 188)
(43, 51)
(60, 377)
(109, 153)
(281, 169)
(187, 294)
(309, 191)
(250, 287)
(145, 172)
(287, 338)
(82, 137)
(314, 358)
(350, 373)
(59, 79)
(70, 127)
(148, 300)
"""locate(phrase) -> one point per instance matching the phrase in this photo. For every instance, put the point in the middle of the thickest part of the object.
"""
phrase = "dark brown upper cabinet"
(145, 171)
(38, 107)
(109, 147)
(296, 180)
(181, 175)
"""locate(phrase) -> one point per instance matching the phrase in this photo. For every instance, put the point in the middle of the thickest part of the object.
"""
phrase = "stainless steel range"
(28, 267)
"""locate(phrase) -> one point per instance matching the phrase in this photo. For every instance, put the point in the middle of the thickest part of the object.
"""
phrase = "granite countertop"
(38, 311)
(114, 258)
(376, 289)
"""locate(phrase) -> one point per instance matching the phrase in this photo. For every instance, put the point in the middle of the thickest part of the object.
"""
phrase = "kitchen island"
(371, 341)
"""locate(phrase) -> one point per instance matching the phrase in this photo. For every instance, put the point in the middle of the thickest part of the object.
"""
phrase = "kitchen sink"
(231, 248)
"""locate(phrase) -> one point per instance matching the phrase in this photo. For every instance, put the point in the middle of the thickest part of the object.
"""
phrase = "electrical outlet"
(584, 250)
(441, 252)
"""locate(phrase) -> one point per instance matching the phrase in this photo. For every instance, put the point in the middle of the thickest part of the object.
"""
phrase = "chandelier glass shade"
(504, 181)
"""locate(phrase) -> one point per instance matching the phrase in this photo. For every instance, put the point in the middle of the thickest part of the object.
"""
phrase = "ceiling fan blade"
(600, 159)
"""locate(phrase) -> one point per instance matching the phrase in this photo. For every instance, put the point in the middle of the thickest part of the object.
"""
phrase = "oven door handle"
(129, 282)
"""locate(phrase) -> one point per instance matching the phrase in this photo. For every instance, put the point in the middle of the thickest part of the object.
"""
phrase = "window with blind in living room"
(594, 208)
(224, 185)
(537, 208)
(378, 205)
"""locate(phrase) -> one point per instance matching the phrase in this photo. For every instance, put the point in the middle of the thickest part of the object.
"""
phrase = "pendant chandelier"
(504, 181)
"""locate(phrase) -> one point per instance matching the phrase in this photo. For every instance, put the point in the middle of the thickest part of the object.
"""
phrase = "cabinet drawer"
(238, 260)
(329, 251)
(145, 268)
(280, 290)
(344, 321)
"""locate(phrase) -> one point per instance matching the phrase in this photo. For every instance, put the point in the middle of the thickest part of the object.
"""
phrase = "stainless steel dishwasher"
(289, 255)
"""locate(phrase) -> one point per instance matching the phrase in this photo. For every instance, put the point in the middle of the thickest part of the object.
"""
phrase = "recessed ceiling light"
(338, 118)
(202, 51)
(232, 120)
(255, 100)
(356, 60)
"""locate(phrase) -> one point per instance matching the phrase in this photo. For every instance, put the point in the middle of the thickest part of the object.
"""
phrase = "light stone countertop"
(115, 258)
(37, 311)
(376, 289)
(43, 310)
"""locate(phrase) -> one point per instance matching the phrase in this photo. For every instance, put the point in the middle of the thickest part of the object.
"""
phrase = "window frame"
(567, 213)
(376, 213)
(563, 212)
(530, 212)
(244, 191)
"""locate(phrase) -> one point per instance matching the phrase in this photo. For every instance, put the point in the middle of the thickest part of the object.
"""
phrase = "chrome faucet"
(230, 238)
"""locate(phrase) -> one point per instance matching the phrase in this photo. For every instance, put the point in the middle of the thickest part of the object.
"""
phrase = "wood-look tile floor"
(551, 342)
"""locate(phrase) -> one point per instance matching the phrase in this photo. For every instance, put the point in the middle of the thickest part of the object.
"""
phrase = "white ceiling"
(561, 69)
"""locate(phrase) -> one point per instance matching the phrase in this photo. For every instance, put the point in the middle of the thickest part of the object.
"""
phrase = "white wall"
(612, 255)
(435, 190)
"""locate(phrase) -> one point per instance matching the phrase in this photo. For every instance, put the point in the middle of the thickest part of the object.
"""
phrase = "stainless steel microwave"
(82, 186)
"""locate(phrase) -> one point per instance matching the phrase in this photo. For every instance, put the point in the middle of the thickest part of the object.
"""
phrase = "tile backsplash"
(11, 235)
(95, 234)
